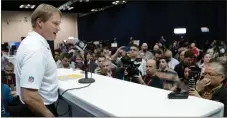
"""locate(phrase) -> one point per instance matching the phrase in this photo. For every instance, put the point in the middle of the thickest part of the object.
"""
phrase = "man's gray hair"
(219, 68)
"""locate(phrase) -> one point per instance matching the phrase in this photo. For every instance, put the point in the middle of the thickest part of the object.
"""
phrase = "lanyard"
(7, 81)
(148, 81)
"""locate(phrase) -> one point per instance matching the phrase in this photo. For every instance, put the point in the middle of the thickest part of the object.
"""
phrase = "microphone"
(82, 47)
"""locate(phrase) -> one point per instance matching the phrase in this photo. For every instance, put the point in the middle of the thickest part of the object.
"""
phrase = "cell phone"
(126, 49)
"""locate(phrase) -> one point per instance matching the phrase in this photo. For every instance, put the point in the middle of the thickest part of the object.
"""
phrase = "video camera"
(131, 66)
(194, 75)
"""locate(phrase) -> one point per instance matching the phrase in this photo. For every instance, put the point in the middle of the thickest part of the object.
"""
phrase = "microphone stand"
(86, 80)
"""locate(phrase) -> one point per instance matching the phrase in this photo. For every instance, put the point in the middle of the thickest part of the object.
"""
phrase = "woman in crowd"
(206, 61)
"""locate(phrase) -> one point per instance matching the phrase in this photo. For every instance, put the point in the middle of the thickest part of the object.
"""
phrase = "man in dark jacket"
(212, 83)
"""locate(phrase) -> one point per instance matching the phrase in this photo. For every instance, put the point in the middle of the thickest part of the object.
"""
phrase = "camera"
(131, 66)
(194, 75)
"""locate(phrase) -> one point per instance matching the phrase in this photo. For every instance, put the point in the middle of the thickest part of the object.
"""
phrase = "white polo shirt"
(35, 68)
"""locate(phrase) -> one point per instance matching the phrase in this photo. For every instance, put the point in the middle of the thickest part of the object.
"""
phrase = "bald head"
(192, 45)
(156, 47)
(151, 67)
(144, 47)
(169, 54)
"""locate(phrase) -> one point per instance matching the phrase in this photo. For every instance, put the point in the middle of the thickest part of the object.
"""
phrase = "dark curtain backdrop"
(148, 21)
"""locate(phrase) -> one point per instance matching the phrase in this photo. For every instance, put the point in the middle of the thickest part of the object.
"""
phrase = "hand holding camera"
(201, 84)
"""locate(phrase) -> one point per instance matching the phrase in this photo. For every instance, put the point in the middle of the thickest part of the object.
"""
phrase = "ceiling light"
(114, 3)
(33, 6)
(180, 31)
(117, 1)
(26, 7)
(204, 29)
(124, 1)
(21, 6)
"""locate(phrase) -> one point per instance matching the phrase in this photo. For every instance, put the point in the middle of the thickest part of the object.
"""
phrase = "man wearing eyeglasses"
(211, 86)
(133, 54)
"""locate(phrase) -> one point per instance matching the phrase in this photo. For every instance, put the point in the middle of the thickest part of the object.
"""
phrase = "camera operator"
(133, 54)
(211, 86)
(130, 69)
(169, 76)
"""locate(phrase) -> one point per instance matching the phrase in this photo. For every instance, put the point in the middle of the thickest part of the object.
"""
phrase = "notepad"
(70, 76)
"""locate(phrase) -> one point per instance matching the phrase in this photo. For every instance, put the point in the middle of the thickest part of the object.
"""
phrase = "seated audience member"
(151, 79)
(79, 63)
(64, 61)
(195, 50)
(181, 57)
(156, 56)
(7, 100)
(211, 86)
(56, 55)
(8, 76)
(171, 61)
(143, 56)
(156, 47)
(100, 61)
(169, 76)
(104, 69)
(144, 49)
(206, 60)
(91, 63)
(188, 62)
(211, 52)
(106, 52)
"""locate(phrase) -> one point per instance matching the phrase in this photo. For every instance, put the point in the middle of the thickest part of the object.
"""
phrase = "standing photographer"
(133, 54)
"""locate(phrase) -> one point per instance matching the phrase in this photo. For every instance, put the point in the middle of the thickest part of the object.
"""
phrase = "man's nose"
(58, 28)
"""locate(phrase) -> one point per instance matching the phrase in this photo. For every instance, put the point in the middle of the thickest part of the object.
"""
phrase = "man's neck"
(133, 58)
(151, 75)
(39, 32)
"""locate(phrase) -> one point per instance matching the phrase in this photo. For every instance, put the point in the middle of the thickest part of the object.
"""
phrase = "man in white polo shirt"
(35, 68)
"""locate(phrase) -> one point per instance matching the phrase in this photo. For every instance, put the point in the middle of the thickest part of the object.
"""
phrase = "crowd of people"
(164, 67)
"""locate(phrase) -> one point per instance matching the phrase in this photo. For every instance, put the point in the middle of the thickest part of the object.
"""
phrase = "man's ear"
(39, 23)
(222, 78)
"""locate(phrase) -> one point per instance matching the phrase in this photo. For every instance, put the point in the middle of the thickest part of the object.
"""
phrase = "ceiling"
(79, 7)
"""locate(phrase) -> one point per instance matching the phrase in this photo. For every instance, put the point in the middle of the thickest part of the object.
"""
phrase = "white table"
(113, 97)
